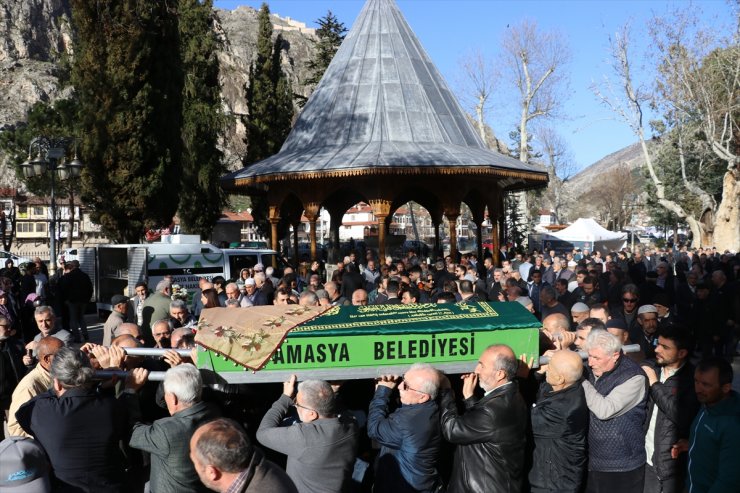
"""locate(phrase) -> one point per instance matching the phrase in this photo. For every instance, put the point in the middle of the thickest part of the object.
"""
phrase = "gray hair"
(322, 294)
(427, 386)
(184, 382)
(318, 395)
(235, 303)
(166, 321)
(40, 310)
(269, 271)
(259, 276)
(178, 304)
(163, 285)
(71, 368)
(603, 340)
(310, 297)
(509, 364)
(233, 286)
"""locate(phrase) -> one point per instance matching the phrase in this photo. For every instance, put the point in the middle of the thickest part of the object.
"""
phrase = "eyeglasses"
(304, 407)
(629, 300)
(404, 386)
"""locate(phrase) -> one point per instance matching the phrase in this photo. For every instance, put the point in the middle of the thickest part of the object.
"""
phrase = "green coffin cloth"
(425, 318)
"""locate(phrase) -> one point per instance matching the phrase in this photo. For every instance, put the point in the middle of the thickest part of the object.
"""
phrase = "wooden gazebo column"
(296, 225)
(274, 218)
(312, 211)
(452, 212)
(381, 210)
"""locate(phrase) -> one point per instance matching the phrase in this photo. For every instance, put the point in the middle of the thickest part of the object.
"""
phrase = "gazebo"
(383, 128)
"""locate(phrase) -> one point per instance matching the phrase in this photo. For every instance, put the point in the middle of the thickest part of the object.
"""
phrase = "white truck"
(116, 269)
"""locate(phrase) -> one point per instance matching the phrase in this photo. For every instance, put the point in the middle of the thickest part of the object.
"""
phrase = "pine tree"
(270, 107)
(128, 77)
(331, 33)
(269, 96)
(201, 196)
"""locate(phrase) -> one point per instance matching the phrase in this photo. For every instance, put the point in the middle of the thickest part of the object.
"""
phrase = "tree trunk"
(479, 113)
(727, 219)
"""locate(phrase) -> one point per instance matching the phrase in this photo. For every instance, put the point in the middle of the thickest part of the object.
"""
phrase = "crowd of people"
(660, 418)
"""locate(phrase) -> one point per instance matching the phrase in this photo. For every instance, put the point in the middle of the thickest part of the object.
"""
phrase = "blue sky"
(449, 29)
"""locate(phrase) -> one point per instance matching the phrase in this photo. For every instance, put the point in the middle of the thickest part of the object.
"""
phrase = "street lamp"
(51, 158)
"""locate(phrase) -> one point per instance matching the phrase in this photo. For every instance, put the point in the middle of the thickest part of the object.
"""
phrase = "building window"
(24, 227)
(38, 211)
(41, 227)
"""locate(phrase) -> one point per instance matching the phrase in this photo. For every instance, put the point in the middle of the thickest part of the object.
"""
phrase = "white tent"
(585, 234)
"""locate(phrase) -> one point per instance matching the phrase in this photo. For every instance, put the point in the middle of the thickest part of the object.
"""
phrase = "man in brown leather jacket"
(490, 435)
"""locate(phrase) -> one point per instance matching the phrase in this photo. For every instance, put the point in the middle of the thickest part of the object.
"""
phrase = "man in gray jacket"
(321, 448)
(168, 439)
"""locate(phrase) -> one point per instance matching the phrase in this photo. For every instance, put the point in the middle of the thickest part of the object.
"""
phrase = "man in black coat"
(79, 427)
(672, 406)
(490, 435)
(410, 436)
(559, 427)
(351, 281)
(76, 289)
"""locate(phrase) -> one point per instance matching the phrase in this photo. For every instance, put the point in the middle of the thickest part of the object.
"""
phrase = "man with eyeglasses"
(491, 434)
(410, 437)
(630, 304)
(321, 448)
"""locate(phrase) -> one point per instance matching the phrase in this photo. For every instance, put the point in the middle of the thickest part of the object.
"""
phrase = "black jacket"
(675, 400)
(76, 287)
(490, 438)
(559, 429)
(80, 432)
(12, 369)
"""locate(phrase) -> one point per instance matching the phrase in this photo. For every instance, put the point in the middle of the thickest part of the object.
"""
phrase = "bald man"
(490, 435)
(559, 427)
(34, 383)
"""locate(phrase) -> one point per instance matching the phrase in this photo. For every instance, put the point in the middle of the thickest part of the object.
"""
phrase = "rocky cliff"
(37, 34)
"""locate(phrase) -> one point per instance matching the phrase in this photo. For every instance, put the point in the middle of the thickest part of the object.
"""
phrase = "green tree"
(269, 96)
(270, 108)
(127, 74)
(201, 197)
(330, 35)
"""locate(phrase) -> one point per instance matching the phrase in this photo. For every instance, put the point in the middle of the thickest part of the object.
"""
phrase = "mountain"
(631, 156)
(37, 34)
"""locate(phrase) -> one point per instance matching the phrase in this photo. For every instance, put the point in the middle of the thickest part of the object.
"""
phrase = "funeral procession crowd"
(661, 419)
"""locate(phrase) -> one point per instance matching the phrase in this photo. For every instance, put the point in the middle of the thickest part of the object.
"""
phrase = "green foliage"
(270, 106)
(269, 96)
(703, 168)
(331, 33)
(201, 197)
(128, 76)
(515, 229)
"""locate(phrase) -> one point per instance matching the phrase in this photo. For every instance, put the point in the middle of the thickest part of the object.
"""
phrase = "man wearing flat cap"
(119, 303)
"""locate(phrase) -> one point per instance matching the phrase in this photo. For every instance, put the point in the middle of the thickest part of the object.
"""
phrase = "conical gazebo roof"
(383, 108)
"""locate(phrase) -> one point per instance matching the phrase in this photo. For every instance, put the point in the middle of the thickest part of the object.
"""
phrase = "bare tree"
(610, 197)
(698, 86)
(479, 77)
(626, 100)
(536, 61)
(560, 166)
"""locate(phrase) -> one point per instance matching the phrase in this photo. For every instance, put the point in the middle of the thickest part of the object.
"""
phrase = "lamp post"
(51, 158)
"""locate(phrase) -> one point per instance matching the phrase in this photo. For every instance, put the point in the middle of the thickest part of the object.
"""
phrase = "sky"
(450, 29)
